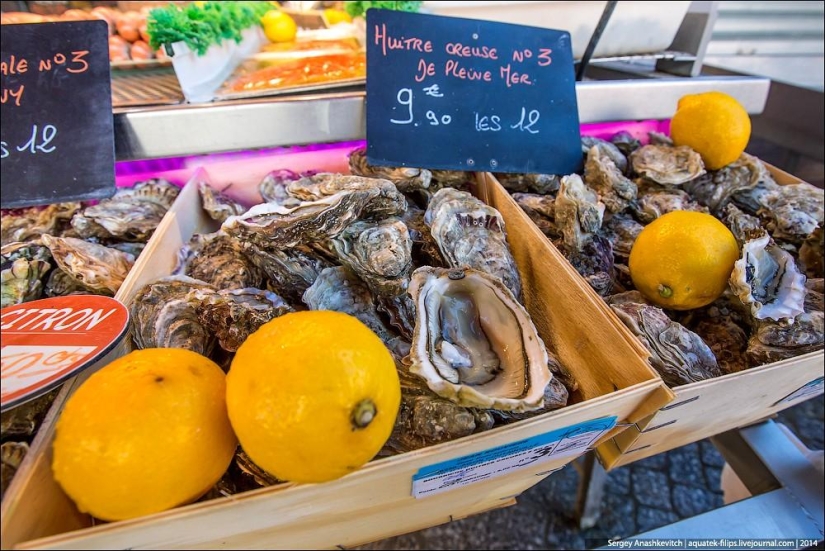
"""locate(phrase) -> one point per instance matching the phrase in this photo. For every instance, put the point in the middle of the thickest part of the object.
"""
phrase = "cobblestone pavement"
(639, 497)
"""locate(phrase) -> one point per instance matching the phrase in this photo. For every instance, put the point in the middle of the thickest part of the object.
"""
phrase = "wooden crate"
(376, 501)
(704, 409)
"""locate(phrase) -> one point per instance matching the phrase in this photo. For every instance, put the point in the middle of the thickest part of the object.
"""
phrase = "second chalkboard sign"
(451, 93)
(58, 131)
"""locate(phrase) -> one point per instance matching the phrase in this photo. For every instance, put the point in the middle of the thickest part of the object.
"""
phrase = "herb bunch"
(204, 24)
(356, 9)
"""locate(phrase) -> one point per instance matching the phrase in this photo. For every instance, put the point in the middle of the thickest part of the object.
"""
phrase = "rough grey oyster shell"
(380, 253)
(794, 212)
(603, 176)
(61, 284)
(773, 341)
(812, 254)
(22, 422)
(128, 247)
(30, 223)
(340, 290)
(724, 327)
(717, 189)
(578, 212)
(11, 456)
(162, 317)
(234, 314)
(22, 281)
(594, 262)
(654, 201)
(606, 150)
(625, 142)
(131, 214)
(621, 230)
(657, 138)
(96, 267)
(451, 178)
(218, 206)
(474, 343)
(670, 166)
(767, 280)
(219, 260)
(742, 226)
(273, 187)
(424, 248)
(471, 234)
(290, 271)
(385, 199)
(405, 178)
(541, 210)
(543, 184)
(678, 354)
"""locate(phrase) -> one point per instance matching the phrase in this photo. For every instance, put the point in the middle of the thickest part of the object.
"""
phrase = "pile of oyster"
(773, 309)
(65, 249)
(411, 253)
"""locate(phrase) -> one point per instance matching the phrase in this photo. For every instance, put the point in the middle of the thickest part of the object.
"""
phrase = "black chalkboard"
(453, 93)
(56, 124)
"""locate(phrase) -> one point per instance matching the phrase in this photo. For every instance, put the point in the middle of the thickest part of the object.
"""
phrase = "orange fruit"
(713, 124)
(146, 433)
(683, 259)
(279, 26)
(312, 395)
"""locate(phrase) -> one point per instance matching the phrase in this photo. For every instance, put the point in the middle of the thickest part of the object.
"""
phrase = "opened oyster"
(471, 234)
(670, 166)
(766, 278)
(578, 212)
(405, 178)
(96, 267)
(474, 343)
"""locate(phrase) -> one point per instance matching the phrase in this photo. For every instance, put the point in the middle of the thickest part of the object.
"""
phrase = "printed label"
(809, 390)
(455, 473)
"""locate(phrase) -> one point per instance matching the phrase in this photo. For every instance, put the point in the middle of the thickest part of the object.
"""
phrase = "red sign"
(45, 342)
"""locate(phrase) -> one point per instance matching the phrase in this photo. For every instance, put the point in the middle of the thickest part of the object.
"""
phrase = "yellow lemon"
(146, 433)
(312, 395)
(713, 124)
(334, 16)
(279, 26)
(683, 259)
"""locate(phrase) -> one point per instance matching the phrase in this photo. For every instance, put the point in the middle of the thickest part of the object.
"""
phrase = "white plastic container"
(634, 27)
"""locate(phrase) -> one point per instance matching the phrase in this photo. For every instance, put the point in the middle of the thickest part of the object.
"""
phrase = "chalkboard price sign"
(452, 93)
(57, 132)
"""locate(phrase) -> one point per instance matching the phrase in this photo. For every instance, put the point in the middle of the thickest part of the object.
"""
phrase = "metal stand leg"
(592, 478)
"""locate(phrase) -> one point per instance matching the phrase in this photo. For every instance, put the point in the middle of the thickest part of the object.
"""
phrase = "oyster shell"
(773, 341)
(766, 279)
(474, 343)
(541, 210)
(131, 214)
(234, 314)
(30, 223)
(11, 456)
(471, 234)
(218, 206)
(621, 230)
(273, 187)
(657, 138)
(405, 178)
(578, 212)
(812, 254)
(22, 422)
(424, 248)
(384, 200)
(670, 166)
(605, 150)
(717, 189)
(290, 271)
(22, 281)
(219, 260)
(654, 201)
(543, 184)
(451, 178)
(96, 267)
(678, 354)
(603, 176)
(594, 263)
(815, 294)
(626, 143)
(742, 226)
(162, 317)
(794, 212)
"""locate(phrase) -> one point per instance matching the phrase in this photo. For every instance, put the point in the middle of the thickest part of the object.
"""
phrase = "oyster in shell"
(724, 328)
(717, 189)
(603, 176)
(474, 343)
(578, 212)
(405, 178)
(767, 280)
(11, 456)
(812, 254)
(594, 262)
(604, 150)
(626, 143)
(22, 422)
(471, 234)
(96, 267)
(61, 284)
(234, 314)
(541, 210)
(218, 260)
(451, 178)
(384, 199)
(273, 187)
(794, 212)
(22, 281)
(543, 184)
(669, 166)
(678, 354)
(131, 214)
(290, 271)
(654, 201)
(218, 206)
(742, 226)
(773, 341)
(30, 223)
(622, 230)
(657, 138)
(162, 317)
(424, 248)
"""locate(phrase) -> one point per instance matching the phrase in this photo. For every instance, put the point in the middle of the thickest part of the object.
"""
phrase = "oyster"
(128, 247)
(218, 260)
(670, 166)
(594, 262)
(657, 138)
(234, 314)
(726, 338)
(131, 214)
(625, 142)
(273, 187)
(22, 422)
(162, 317)
(621, 230)
(815, 295)
(424, 248)
(541, 210)
(384, 199)
(556, 395)
(290, 271)
(742, 226)
(22, 281)
(794, 212)
(11, 456)
(96, 267)
(405, 178)
(654, 201)
(474, 343)
(779, 340)
(603, 176)
(451, 178)
(678, 354)
(218, 206)
(61, 284)
(605, 150)
(380, 253)
(812, 254)
(30, 223)
(766, 278)
(249, 475)
(578, 212)
(717, 189)
(471, 234)
(543, 184)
